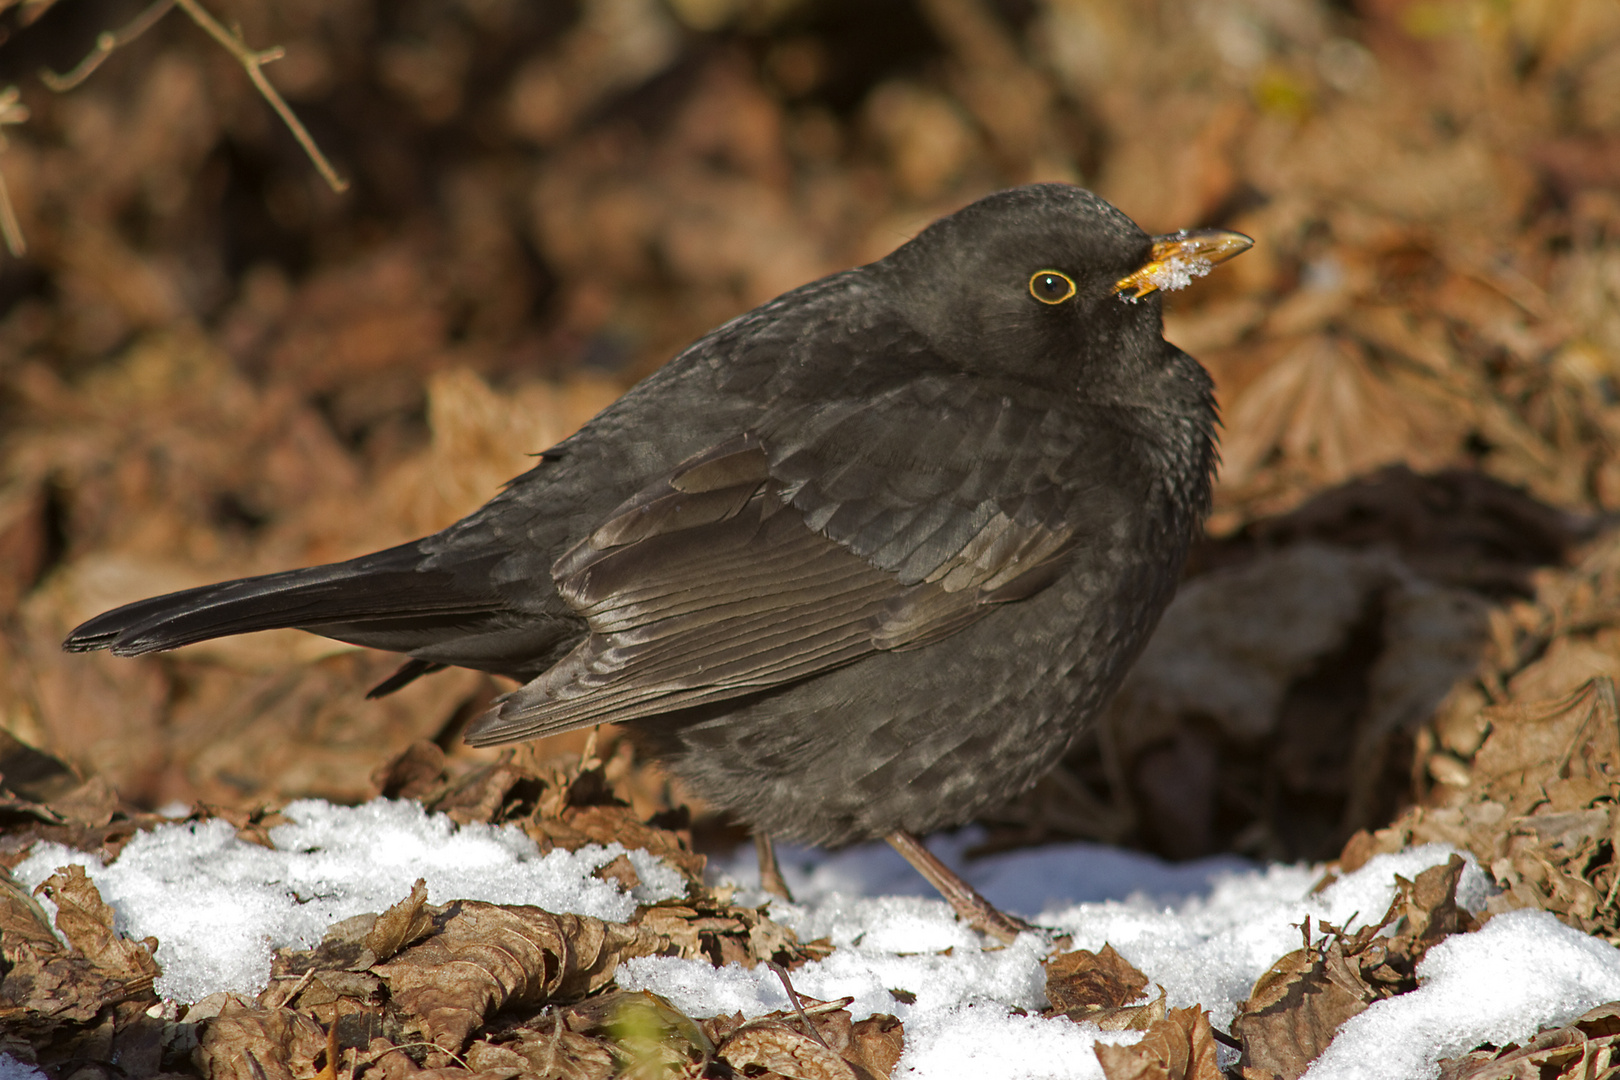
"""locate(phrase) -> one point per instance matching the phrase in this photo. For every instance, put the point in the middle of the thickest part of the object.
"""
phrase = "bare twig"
(798, 1006)
(12, 111)
(106, 43)
(427, 1045)
(253, 63)
(33, 9)
(299, 989)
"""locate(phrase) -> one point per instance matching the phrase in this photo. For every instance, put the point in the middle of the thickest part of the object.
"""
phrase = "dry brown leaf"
(33, 775)
(779, 1044)
(47, 985)
(775, 1046)
(1567, 750)
(1587, 1049)
(550, 1048)
(877, 1043)
(1297, 1007)
(486, 957)
(723, 933)
(1331, 415)
(88, 924)
(1179, 1047)
(22, 920)
(401, 924)
(248, 1043)
(87, 1000)
(1086, 982)
(1425, 911)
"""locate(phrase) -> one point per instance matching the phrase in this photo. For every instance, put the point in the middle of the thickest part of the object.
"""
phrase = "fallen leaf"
(1082, 979)
(401, 924)
(1179, 1047)
(485, 957)
(248, 1043)
(1583, 1050)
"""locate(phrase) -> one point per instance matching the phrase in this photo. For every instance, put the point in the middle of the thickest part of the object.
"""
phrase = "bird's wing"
(734, 574)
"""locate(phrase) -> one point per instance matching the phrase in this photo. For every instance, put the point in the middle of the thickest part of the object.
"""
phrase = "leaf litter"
(209, 367)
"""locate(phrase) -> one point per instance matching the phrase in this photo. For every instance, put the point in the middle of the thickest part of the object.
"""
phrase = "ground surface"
(211, 364)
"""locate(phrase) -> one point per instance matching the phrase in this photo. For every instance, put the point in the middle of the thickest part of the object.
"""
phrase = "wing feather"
(753, 565)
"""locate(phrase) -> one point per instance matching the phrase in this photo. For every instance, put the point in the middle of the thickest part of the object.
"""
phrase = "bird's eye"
(1051, 286)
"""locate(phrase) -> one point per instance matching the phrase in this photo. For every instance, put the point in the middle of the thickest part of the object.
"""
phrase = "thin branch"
(33, 10)
(253, 63)
(10, 228)
(106, 42)
(12, 111)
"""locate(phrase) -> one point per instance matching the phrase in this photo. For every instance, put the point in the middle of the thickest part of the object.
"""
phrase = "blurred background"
(211, 364)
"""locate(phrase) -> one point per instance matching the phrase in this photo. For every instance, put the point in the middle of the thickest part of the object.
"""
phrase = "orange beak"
(1179, 257)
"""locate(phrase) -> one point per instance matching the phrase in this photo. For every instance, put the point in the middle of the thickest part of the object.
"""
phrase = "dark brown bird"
(861, 562)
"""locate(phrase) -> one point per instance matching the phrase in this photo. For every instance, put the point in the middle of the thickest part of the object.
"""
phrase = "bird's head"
(1048, 283)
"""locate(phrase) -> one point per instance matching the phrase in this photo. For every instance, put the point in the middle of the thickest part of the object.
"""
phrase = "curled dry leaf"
(86, 1000)
(87, 922)
(401, 924)
(413, 773)
(1100, 988)
(551, 1046)
(485, 957)
(46, 986)
(832, 1048)
(775, 1046)
(1092, 980)
(1179, 1047)
(246, 1042)
(877, 1042)
(724, 933)
(1583, 1050)
(1297, 1006)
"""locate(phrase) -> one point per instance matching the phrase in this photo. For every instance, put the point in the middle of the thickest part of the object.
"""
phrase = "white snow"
(1519, 973)
(982, 1042)
(1204, 931)
(218, 905)
(12, 1069)
(1178, 272)
(1211, 949)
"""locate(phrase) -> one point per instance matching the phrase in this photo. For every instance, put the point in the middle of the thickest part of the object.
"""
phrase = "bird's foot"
(964, 899)
(770, 873)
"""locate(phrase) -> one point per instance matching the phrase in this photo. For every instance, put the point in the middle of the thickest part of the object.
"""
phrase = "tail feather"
(389, 594)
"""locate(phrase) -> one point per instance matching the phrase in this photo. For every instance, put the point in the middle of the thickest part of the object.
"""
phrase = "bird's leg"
(970, 907)
(770, 874)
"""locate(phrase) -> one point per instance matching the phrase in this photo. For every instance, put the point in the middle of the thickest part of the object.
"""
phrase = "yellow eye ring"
(1051, 286)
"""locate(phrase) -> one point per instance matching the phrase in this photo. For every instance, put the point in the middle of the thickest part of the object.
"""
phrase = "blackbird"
(861, 562)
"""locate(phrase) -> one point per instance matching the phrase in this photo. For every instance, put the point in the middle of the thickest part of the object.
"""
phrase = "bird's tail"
(394, 599)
